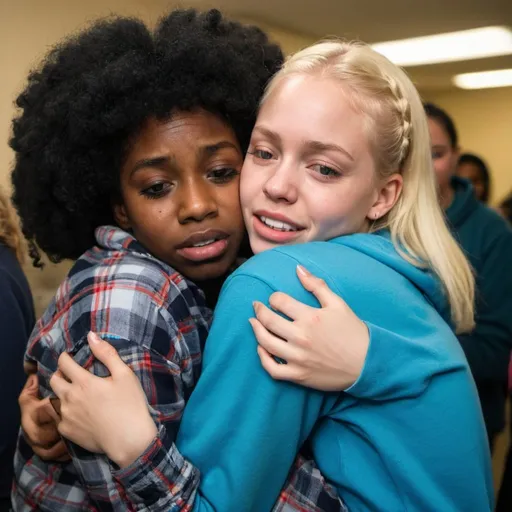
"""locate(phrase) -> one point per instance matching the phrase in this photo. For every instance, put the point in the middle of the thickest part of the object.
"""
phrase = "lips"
(204, 245)
(275, 227)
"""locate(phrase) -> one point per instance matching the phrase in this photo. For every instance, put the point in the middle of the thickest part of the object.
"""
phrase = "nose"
(281, 185)
(197, 202)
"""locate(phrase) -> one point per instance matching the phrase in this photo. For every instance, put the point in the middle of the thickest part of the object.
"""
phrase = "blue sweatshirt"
(408, 435)
(16, 323)
(486, 238)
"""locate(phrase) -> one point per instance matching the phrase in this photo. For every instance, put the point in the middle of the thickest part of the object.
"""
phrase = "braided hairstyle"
(92, 93)
(397, 130)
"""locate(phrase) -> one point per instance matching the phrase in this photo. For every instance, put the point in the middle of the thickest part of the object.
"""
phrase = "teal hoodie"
(408, 435)
(486, 238)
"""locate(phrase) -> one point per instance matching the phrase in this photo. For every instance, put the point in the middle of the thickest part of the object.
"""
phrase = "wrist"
(129, 451)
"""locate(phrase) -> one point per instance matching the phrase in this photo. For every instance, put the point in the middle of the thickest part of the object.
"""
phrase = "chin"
(207, 271)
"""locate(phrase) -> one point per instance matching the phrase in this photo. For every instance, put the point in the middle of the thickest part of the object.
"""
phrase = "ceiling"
(379, 20)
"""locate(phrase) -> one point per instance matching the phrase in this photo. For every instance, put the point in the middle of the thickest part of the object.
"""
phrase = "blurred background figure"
(487, 241)
(474, 169)
(505, 208)
(504, 502)
(16, 323)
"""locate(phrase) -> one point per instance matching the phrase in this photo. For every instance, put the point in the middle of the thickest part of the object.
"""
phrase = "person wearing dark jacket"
(16, 323)
(504, 500)
(487, 241)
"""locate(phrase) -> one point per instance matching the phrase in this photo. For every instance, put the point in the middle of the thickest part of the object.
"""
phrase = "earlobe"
(387, 198)
(121, 216)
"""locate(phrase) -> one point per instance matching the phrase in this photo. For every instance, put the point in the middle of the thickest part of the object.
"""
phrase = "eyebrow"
(211, 149)
(313, 145)
(159, 161)
(156, 162)
(322, 146)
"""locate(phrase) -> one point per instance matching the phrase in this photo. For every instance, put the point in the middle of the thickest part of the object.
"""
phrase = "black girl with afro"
(129, 144)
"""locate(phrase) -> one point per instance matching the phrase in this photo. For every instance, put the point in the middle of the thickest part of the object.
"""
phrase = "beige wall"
(484, 122)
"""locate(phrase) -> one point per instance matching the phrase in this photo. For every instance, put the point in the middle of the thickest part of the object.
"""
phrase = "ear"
(121, 216)
(387, 197)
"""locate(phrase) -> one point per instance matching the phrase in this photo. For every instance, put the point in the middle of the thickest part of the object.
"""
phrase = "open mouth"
(203, 246)
(276, 230)
(277, 224)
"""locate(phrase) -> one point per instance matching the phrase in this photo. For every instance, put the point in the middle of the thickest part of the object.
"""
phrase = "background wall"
(484, 122)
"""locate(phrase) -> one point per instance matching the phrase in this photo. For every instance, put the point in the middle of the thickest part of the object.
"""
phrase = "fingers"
(107, 354)
(58, 452)
(39, 428)
(271, 343)
(30, 391)
(70, 369)
(60, 386)
(273, 322)
(318, 287)
(288, 372)
(287, 305)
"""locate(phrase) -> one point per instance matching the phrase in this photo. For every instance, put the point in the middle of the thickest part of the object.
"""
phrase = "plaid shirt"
(158, 322)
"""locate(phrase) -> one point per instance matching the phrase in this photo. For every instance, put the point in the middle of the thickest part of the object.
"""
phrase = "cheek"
(442, 167)
(340, 210)
(250, 185)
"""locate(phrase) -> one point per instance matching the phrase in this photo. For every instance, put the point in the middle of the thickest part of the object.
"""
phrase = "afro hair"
(93, 92)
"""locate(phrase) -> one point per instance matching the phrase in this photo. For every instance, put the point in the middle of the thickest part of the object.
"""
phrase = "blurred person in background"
(487, 241)
(504, 503)
(474, 169)
(16, 323)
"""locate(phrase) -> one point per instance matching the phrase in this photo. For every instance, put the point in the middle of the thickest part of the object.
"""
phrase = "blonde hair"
(397, 129)
(10, 232)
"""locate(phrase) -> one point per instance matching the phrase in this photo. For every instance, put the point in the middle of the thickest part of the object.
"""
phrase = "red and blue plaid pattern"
(158, 322)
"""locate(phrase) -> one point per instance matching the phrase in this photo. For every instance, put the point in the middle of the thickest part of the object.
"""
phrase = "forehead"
(182, 129)
(438, 134)
(313, 108)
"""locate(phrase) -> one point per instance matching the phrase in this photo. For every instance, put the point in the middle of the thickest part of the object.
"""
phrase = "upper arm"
(242, 429)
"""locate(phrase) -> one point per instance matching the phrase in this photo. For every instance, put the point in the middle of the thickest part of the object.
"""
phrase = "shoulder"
(127, 295)
(493, 232)
(339, 257)
(350, 265)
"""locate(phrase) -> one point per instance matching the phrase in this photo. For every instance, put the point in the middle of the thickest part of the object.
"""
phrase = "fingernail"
(302, 271)
(255, 305)
(93, 338)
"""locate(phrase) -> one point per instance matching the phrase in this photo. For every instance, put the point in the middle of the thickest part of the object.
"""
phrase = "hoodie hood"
(464, 202)
(380, 247)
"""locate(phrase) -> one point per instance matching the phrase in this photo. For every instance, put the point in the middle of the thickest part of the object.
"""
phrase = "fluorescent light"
(454, 46)
(484, 80)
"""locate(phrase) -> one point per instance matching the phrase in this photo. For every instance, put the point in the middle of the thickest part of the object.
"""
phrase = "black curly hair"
(93, 92)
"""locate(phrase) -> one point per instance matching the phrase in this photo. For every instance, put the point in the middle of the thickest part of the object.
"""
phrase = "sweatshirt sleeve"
(241, 429)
